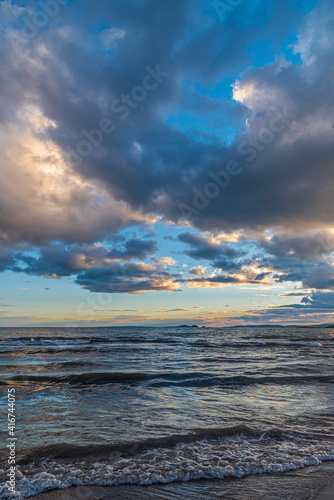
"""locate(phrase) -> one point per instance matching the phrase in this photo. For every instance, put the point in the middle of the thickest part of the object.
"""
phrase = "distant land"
(325, 325)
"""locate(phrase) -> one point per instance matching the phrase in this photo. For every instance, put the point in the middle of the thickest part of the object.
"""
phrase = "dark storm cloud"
(80, 69)
(279, 186)
(79, 77)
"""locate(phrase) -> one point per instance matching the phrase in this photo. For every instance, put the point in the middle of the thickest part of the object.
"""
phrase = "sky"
(166, 163)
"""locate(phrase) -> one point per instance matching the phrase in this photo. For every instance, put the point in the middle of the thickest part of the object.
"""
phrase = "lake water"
(109, 406)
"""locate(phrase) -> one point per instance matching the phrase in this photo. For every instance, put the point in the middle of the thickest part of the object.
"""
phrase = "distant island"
(187, 326)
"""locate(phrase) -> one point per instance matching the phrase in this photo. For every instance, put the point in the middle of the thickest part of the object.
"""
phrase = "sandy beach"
(311, 483)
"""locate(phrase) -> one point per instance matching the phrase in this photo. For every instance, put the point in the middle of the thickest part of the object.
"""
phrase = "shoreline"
(309, 483)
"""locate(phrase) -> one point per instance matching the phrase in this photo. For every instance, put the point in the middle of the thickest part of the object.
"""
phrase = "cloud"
(200, 247)
(319, 300)
(171, 147)
(74, 96)
(130, 278)
(163, 310)
(197, 271)
(58, 260)
(218, 280)
(38, 187)
(177, 309)
(308, 245)
(6, 258)
(207, 247)
(316, 308)
(164, 262)
(305, 257)
(111, 35)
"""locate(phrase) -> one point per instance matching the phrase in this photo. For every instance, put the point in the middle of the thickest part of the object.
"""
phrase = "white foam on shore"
(234, 456)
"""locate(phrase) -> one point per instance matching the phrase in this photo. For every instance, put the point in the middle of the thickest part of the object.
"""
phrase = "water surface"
(114, 406)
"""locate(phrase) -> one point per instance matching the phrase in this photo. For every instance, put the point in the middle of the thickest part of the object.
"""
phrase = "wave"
(248, 344)
(195, 379)
(261, 344)
(205, 454)
(87, 340)
(129, 448)
(46, 342)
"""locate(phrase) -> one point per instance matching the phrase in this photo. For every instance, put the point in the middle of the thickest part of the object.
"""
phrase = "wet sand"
(327, 493)
(311, 483)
